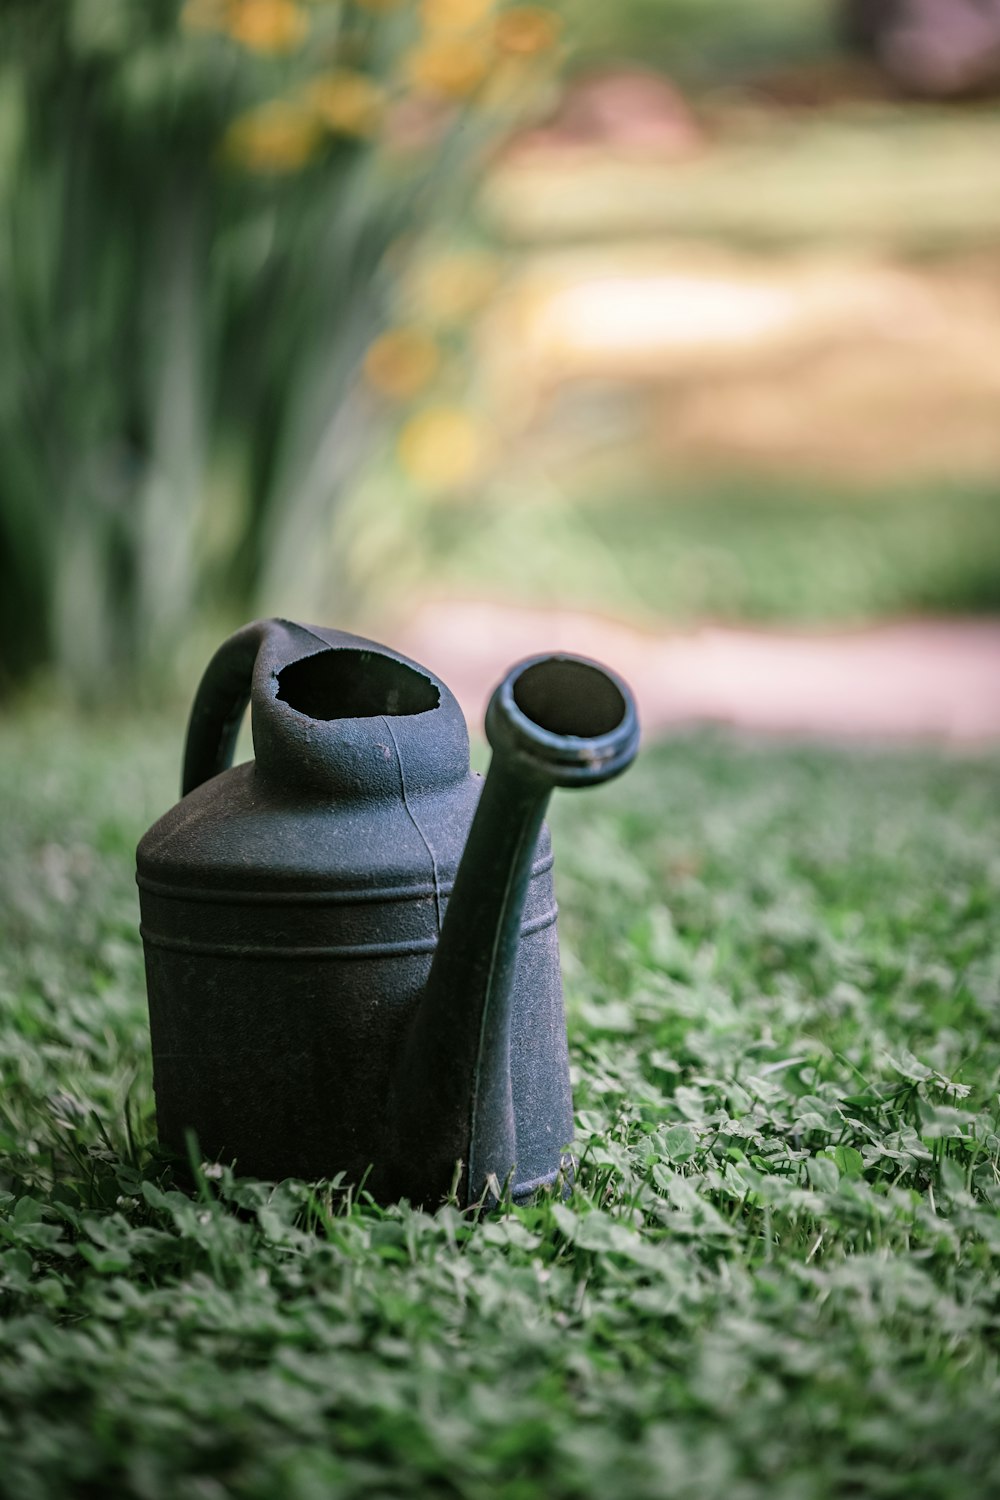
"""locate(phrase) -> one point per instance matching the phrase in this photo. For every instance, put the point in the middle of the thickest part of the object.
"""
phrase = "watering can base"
(523, 1192)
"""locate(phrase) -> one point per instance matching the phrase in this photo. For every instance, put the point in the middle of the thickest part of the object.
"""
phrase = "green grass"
(898, 178)
(777, 1274)
(705, 43)
(740, 551)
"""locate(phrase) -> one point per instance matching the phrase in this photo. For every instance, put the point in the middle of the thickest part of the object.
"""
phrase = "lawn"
(776, 1275)
(744, 550)
(919, 181)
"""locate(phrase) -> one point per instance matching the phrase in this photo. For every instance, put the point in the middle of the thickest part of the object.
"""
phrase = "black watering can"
(351, 952)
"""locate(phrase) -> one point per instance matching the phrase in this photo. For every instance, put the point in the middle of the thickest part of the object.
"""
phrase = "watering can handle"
(220, 704)
(245, 668)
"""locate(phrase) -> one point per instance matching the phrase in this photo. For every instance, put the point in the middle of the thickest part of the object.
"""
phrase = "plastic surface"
(336, 982)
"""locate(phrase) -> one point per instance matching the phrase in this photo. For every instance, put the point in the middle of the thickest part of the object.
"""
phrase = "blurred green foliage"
(196, 205)
(707, 40)
(210, 211)
(737, 548)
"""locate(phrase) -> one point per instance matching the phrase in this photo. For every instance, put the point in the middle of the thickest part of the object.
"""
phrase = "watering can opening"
(564, 719)
(353, 684)
(567, 696)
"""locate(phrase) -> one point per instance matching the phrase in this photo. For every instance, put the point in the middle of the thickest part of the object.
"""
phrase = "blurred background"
(668, 330)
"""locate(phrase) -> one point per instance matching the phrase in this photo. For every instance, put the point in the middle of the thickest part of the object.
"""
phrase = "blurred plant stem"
(172, 488)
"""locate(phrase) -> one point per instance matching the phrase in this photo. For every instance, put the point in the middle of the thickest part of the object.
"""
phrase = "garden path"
(937, 680)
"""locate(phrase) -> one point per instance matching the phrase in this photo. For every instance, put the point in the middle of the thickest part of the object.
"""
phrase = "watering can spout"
(553, 721)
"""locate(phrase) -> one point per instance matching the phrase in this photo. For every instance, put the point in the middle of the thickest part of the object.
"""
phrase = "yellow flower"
(526, 29)
(348, 102)
(453, 15)
(401, 362)
(267, 25)
(450, 287)
(441, 448)
(276, 137)
(449, 66)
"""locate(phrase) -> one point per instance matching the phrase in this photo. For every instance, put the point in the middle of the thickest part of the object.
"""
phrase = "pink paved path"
(933, 679)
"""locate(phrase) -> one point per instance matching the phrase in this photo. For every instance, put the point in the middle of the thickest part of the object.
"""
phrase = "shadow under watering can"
(351, 953)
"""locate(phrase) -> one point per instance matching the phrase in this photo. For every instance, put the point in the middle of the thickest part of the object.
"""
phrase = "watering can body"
(313, 1010)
